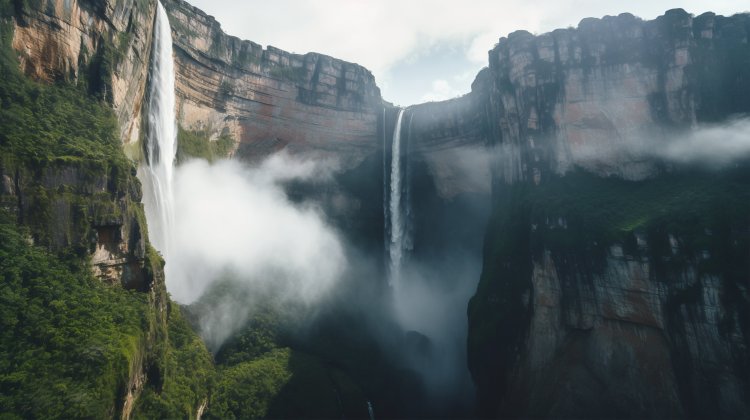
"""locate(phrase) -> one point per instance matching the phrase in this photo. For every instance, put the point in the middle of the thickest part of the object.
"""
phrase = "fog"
(431, 299)
(242, 245)
(236, 220)
(714, 144)
(710, 145)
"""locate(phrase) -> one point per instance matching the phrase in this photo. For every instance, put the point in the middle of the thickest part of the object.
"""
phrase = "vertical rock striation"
(614, 284)
(105, 43)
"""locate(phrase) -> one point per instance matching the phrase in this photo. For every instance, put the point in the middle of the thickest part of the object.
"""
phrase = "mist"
(713, 146)
(234, 222)
(245, 243)
(431, 300)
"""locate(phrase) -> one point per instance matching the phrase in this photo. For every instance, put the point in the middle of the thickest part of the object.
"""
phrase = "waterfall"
(386, 217)
(157, 175)
(396, 244)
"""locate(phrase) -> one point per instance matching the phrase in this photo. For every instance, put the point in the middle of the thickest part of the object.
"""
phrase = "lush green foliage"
(62, 145)
(40, 123)
(188, 373)
(67, 342)
(246, 390)
(285, 383)
(196, 144)
(265, 369)
(603, 211)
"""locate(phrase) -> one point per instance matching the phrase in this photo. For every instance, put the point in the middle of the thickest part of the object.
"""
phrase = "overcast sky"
(420, 50)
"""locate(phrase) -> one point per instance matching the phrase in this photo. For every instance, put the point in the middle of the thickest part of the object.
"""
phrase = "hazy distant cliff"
(562, 96)
(601, 296)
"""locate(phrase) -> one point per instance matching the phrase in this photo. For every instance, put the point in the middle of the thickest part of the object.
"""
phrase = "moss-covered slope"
(87, 328)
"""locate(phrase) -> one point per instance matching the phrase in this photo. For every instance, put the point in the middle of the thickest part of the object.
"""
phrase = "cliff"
(269, 99)
(451, 138)
(103, 43)
(87, 319)
(614, 283)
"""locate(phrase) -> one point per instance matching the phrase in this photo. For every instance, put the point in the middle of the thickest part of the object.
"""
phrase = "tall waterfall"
(157, 175)
(396, 243)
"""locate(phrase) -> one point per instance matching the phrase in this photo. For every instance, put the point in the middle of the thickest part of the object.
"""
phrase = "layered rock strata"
(269, 99)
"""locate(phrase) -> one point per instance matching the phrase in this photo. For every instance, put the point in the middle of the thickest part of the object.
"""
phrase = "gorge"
(569, 239)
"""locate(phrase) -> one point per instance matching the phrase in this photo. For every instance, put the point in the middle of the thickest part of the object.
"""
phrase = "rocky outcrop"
(103, 43)
(608, 289)
(269, 99)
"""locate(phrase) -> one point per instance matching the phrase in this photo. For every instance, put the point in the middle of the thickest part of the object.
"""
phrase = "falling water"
(158, 198)
(396, 246)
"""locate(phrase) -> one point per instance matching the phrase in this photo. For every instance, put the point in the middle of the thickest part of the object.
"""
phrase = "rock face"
(451, 138)
(613, 284)
(269, 99)
(588, 305)
(106, 43)
(105, 46)
(567, 97)
(314, 105)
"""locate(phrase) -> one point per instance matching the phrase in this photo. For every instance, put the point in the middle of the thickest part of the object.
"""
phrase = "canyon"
(611, 283)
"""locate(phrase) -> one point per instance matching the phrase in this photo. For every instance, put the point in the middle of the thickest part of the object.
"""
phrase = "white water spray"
(396, 245)
(157, 175)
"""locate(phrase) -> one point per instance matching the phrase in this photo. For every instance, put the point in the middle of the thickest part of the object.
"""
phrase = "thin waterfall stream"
(157, 175)
(397, 220)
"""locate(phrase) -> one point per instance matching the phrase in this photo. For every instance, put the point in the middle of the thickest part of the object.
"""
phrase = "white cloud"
(379, 34)
(237, 219)
(441, 90)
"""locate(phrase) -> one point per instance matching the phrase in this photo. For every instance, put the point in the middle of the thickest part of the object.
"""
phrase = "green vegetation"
(67, 342)
(63, 148)
(606, 211)
(264, 370)
(72, 346)
(285, 383)
(66, 125)
(188, 372)
(576, 218)
(197, 144)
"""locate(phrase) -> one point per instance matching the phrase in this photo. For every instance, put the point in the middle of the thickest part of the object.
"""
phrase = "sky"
(420, 50)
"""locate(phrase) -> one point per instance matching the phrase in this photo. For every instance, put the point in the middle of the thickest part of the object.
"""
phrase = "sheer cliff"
(615, 281)
(615, 276)
(88, 327)
(269, 99)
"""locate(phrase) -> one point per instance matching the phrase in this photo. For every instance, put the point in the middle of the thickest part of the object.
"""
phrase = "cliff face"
(269, 99)
(70, 192)
(564, 98)
(92, 205)
(614, 284)
(104, 43)
(451, 138)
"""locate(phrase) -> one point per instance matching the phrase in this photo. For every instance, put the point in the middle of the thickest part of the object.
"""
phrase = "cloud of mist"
(718, 144)
(634, 157)
(432, 299)
(236, 221)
